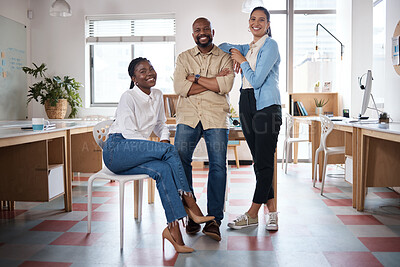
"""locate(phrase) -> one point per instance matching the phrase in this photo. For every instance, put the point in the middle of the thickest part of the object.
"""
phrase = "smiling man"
(203, 79)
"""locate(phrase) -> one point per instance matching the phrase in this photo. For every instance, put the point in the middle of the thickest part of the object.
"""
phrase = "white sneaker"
(272, 223)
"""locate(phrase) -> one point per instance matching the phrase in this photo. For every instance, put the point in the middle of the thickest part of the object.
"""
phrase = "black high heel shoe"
(196, 218)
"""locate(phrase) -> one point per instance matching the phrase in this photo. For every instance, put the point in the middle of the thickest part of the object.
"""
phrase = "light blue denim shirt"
(265, 77)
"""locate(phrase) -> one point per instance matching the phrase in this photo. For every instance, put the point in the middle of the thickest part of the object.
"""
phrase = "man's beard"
(210, 39)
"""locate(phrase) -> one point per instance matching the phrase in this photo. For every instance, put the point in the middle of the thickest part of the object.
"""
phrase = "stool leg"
(283, 153)
(121, 213)
(236, 157)
(315, 167)
(136, 198)
(140, 198)
(324, 173)
(89, 208)
(288, 145)
(153, 189)
(150, 189)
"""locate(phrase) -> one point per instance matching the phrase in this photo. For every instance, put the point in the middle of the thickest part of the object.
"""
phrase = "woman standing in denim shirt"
(126, 151)
(259, 111)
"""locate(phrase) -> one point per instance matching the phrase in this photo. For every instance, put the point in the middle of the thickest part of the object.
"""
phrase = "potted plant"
(54, 93)
(233, 117)
(383, 118)
(316, 87)
(319, 105)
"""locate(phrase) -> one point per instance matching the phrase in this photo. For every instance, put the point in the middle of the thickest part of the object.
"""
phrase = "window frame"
(290, 12)
(92, 41)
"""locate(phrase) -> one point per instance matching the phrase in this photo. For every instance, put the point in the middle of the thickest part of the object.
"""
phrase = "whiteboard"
(13, 83)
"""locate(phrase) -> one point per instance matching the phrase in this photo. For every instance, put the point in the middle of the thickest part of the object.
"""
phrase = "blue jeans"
(186, 140)
(158, 160)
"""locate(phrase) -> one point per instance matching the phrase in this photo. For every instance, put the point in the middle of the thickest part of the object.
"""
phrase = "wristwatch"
(196, 78)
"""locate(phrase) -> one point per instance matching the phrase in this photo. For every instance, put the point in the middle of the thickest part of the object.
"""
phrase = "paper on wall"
(395, 50)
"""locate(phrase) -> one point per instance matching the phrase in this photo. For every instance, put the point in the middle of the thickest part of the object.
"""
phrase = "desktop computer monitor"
(367, 94)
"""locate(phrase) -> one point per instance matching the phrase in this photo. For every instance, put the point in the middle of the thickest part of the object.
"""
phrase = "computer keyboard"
(363, 121)
(338, 118)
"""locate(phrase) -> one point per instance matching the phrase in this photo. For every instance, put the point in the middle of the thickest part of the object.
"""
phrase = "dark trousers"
(261, 130)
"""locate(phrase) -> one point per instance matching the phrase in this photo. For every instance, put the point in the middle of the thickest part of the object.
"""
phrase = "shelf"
(308, 101)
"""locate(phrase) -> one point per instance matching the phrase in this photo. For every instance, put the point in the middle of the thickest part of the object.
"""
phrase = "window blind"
(131, 30)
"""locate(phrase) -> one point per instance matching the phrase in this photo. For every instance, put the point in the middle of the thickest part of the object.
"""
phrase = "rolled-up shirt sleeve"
(226, 47)
(181, 85)
(225, 83)
(266, 59)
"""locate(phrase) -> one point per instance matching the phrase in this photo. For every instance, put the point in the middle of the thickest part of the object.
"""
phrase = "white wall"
(392, 90)
(343, 68)
(361, 49)
(17, 11)
(358, 40)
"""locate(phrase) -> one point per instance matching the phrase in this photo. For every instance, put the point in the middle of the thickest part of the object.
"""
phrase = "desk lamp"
(316, 42)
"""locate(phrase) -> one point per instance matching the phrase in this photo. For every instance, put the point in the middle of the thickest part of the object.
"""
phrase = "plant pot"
(383, 120)
(58, 111)
(318, 110)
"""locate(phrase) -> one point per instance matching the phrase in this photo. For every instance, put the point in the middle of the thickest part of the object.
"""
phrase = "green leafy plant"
(383, 115)
(53, 89)
(232, 111)
(233, 116)
(320, 103)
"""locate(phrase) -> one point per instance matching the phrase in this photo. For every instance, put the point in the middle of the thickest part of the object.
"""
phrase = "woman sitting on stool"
(127, 151)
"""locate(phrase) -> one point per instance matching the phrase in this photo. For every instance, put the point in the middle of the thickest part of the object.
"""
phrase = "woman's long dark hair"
(266, 12)
(132, 66)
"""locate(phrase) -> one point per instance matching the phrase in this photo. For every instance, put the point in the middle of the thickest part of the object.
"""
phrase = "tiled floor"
(314, 230)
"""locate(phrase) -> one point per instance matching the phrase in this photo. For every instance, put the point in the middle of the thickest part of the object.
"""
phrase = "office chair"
(289, 140)
(100, 132)
(326, 129)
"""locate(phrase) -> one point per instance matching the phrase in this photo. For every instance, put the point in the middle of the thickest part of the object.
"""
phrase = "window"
(298, 18)
(115, 41)
(311, 66)
(278, 25)
(278, 20)
(379, 38)
(314, 4)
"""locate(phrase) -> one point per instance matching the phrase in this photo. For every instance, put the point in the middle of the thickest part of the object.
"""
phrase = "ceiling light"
(60, 8)
(249, 5)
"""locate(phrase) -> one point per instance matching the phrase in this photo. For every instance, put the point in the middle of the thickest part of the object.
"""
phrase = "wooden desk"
(375, 153)
(26, 158)
(378, 159)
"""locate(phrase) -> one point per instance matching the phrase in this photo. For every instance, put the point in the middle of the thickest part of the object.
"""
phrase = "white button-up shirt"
(139, 114)
(251, 57)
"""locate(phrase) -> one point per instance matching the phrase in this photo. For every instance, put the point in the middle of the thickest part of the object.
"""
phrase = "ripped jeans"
(158, 160)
